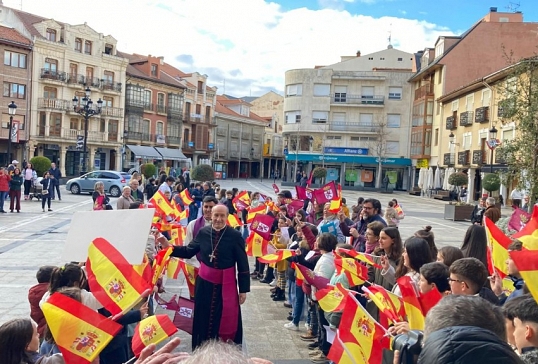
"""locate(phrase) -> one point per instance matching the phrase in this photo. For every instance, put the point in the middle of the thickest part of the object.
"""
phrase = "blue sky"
(247, 45)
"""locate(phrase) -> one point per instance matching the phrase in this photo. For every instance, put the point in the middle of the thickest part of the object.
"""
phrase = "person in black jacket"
(478, 212)
(55, 176)
(468, 277)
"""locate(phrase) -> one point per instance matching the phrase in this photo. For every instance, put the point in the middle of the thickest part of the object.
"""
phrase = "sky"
(246, 46)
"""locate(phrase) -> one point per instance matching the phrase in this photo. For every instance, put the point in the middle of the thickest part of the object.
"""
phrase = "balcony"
(353, 127)
(451, 122)
(53, 75)
(174, 111)
(478, 157)
(174, 140)
(424, 91)
(161, 109)
(134, 107)
(93, 82)
(54, 104)
(115, 112)
(463, 158)
(358, 100)
(482, 115)
(93, 136)
(110, 86)
(76, 80)
(139, 136)
(149, 107)
(196, 118)
(449, 159)
(466, 118)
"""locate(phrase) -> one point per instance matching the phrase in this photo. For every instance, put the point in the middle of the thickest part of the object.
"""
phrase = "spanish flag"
(241, 201)
(527, 265)
(144, 269)
(335, 205)
(233, 220)
(252, 212)
(312, 278)
(79, 332)
(332, 298)
(113, 281)
(165, 226)
(363, 257)
(413, 309)
(348, 353)
(387, 302)
(256, 245)
(152, 330)
(279, 255)
(272, 206)
(162, 205)
(183, 214)
(173, 268)
(498, 247)
(159, 264)
(190, 272)
(178, 235)
(299, 279)
(363, 336)
(185, 196)
(355, 272)
(529, 234)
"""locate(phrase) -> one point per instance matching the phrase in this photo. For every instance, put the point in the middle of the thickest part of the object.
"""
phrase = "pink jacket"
(4, 182)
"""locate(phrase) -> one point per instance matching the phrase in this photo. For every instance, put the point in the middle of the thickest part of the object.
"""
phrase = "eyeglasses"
(450, 280)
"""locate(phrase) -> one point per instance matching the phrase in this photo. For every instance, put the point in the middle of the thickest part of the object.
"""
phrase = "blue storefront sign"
(210, 145)
(358, 159)
(353, 151)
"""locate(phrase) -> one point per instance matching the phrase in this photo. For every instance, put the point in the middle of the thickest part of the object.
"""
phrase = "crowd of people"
(476, 309)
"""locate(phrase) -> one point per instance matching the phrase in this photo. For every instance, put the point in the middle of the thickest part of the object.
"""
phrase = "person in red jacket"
(36, 293)
(4, 187)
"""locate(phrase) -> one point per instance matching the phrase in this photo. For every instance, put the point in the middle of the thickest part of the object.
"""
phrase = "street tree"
(379, 145)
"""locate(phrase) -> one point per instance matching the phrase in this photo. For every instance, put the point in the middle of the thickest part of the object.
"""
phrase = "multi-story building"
(271, 108)
(474, 110)
(348, 117)
(153, 114)
(67, 60)
(239, 139)
(456, 61)
(16, 78)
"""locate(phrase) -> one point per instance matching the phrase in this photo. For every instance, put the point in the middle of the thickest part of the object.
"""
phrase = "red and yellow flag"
(233, 221)
(335, 205)
(413, 308)
(256, 245)
(388, 303)
(348, 353)
(299, 278)
(332, 298)
(144, 270)
(363, 336)
(363, 257)
(241, 201)
(183, 214)
(79, 332)
(185, 196)
(152, 330)
(178, 235)
(113, 281)
(162, 204)
(429, 299)
(252, 212)
(527, 265)
(173, 268)
(312, 278)
(529, 234)
(498, 247)
(190, 272)
(159, 264)
(355, 272)
(272, 206)
(279, 255)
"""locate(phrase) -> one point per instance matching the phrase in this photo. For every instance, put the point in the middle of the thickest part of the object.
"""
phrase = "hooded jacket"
(466, 345)
(35, 294)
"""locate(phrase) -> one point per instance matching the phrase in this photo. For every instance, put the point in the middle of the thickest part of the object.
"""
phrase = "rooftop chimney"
(493, 9)
(358, 53)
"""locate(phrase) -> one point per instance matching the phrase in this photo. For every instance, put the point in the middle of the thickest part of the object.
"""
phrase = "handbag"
(184, 316)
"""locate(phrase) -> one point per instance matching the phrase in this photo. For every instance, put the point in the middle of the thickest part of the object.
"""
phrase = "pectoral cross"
(211, 256)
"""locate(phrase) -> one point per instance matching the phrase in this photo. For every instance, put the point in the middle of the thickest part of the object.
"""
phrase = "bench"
(416, 191)
(442, 195)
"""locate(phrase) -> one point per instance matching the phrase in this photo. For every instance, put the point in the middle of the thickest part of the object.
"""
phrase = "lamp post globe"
(12, 110)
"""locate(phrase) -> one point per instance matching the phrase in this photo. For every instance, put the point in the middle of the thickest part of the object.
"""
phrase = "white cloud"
(250, 44)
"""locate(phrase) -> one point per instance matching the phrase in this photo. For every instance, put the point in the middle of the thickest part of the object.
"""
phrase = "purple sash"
(230, 298)
(198, 225)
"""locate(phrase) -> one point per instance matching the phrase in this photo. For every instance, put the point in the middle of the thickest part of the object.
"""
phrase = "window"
(400, 59)
(51, 65)
(334, 137)
(508, 134)
(153, 70)
(89, 75)
(14, 90)
(14, 59)
(367, 92)
(340, 93)
(175, 101)
(73, 69)
(88, 47)
(51, 35)
(469, 103)
(201, 87)
(160, 99)
(293, 117)
(395, 93)
(108, 77)
(294, 90)
(73, 124)
(467, 140)
(486, 96)
(208, 114)
(339, 117)
(439, 76)
(393, 147)
(102, 125)
(78, 45)
(134, 122)
(366, 119)
(109, 49)
(160, 128)
(321, 89)
(50, 92)
(393, 120)
(320, 117)
(147, 99)
(108, 101)
(455, 105)
(436, 137)
(133, 95)
(146, 127)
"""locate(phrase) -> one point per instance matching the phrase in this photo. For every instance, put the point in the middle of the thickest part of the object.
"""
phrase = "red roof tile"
(13, 36)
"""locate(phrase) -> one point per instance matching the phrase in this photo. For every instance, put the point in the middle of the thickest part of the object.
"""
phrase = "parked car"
(114, 182)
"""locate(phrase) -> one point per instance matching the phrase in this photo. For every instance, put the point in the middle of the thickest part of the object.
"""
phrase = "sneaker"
(314, 352)
(291, 326)
(320, 359)
(289, 318)
(50, 209)
(273, 283)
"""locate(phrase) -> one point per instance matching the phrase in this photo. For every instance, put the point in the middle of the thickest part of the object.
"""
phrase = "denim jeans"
(2, 199)
(291, 291)
(298, 304)
(245, 232)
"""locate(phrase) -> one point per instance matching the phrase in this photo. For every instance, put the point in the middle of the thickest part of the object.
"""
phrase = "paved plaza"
(34, 238)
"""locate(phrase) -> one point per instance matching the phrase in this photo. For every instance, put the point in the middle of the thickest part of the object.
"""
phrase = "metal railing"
(48, 74)
(358, 100)
(116, 112)
(54, 104)
(353, 127)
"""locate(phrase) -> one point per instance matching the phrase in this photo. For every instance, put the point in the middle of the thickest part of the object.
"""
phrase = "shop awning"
(144, 152)
(171, 154)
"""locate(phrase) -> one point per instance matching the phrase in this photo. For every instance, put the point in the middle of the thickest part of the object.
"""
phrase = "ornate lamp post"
(86, 110)
(492, 144)
(12, 109)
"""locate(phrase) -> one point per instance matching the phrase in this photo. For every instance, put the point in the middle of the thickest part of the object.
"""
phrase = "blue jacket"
(518, 285)
(56, 174)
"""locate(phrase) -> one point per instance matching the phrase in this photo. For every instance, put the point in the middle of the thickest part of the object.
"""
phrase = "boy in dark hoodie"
(36, 293)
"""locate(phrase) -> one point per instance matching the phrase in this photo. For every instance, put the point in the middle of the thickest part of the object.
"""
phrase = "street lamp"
(12, 109)
(123, 151)
(492, 144)
(86, 110)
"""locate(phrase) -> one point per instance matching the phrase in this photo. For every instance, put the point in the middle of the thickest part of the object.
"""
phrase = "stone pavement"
(33, 238)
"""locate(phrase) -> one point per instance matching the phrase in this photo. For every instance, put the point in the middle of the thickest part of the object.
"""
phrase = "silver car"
(114, 182)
